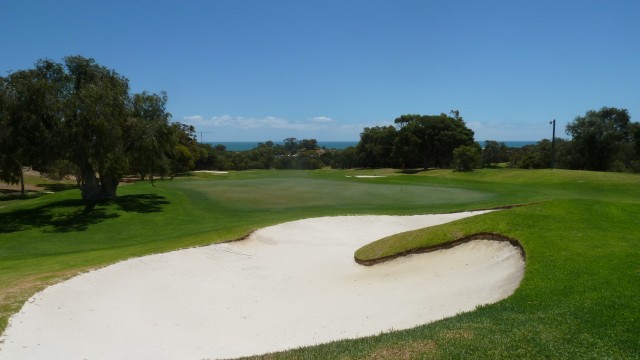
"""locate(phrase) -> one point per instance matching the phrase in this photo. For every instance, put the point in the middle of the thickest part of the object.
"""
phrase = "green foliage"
(429, 140)
(466, 157)
(603, 140)
(60, 169)
(293, 154)
(346, 158)
(495, 152)
(420, 141)
(30, 113)
(79, 117)
(376, 145)
(186, 149)
(600, 137)
(149, 137)
(93, 129)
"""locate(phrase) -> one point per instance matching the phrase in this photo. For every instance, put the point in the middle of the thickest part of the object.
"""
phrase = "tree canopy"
(82, 113)
(376, 146)
(30, 113)
(416, 141)
(79, 117)
(600, 137)
(431, 139)
(94, 126)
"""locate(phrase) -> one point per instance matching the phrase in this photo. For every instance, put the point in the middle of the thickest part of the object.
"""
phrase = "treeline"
(303, 154)
(80, 118)
(415, 141)
(601, 140)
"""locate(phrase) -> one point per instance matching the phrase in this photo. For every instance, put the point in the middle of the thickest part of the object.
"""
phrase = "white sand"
(366, 176)
(211, 172)
(289, 285)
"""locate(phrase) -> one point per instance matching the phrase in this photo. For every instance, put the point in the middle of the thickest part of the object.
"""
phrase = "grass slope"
(582, 239)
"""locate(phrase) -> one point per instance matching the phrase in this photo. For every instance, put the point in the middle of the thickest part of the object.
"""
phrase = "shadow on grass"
(141, 203)
(70, 215)
(8, 195)
(411, 171)
(58, 187)
(13, 194)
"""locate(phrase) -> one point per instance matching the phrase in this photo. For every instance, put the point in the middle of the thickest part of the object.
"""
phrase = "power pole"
(553, 144)
(203, 132)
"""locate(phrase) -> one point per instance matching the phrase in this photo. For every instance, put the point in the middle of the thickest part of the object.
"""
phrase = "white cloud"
(322, 119)
(192, 119)
(241, 128)
(268, 122)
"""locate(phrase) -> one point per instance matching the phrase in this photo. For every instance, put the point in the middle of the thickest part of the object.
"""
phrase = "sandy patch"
(366, 176)
(289, 285)
(211, 172)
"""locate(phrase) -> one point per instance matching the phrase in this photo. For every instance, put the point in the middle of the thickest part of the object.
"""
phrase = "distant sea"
(338, 145)
(515, 144)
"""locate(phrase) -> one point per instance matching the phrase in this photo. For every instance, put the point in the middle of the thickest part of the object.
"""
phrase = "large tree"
(95, 118)
(429, 140)
(185, 148)
(598, 138)
(31, 112)
(80, 115)
(376, 146)
(6, 167)
(494, 152)
(149, 137)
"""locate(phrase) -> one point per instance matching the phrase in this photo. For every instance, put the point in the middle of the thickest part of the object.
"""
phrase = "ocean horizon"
(337, 145)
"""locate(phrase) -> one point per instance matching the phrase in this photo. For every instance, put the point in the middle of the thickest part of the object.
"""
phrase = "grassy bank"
(581, 238)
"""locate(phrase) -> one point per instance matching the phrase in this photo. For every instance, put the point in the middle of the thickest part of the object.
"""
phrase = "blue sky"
(268, 70)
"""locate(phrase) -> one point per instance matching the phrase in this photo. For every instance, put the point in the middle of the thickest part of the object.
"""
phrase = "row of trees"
(292, 154)
(601, 140)
(80, 118)
(415, 141)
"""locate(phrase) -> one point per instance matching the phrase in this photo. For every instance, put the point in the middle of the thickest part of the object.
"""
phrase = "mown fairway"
(581, 236)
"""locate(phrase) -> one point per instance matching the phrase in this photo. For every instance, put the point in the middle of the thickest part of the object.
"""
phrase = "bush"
(466, 157)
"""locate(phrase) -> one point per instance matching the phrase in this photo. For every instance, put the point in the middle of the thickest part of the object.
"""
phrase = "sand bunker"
(289, 285)
(211, 172)
(366, 176)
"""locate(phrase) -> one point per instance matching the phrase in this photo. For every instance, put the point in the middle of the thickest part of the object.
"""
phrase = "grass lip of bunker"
(240, 286)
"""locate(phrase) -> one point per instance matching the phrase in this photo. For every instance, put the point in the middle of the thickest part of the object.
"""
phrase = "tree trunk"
(109, 186)
(90, 186)
(94, 189)
(22, 183)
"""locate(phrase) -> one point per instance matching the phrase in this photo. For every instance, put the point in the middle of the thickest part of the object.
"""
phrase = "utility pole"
(553, 144)
(203, 132)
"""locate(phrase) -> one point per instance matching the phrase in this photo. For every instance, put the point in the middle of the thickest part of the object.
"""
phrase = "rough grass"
(578, 298)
